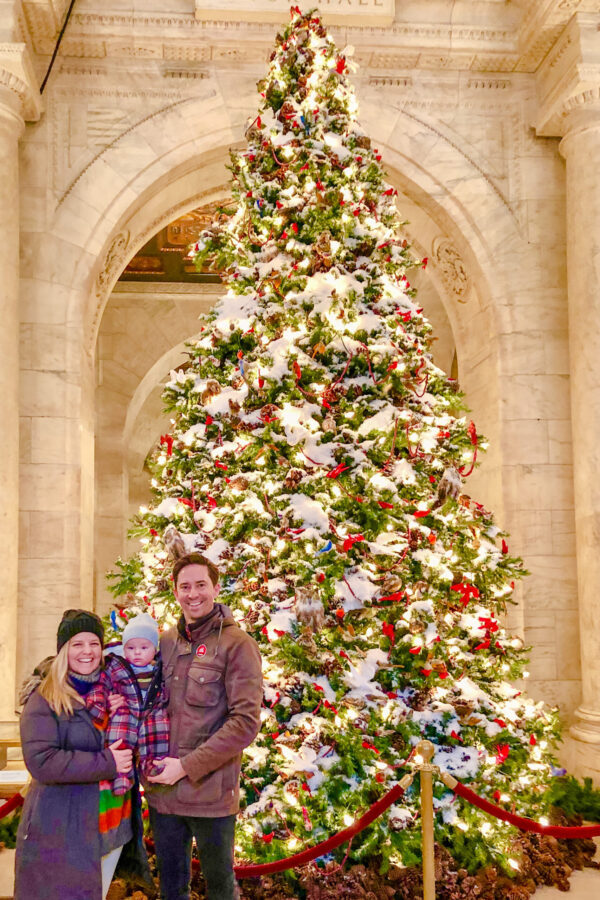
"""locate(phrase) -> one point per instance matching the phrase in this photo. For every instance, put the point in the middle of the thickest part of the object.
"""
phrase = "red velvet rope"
(15, 801)
(557, 831)
(306, 856)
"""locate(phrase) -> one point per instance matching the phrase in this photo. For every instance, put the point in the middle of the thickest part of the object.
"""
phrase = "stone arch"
(174, 160)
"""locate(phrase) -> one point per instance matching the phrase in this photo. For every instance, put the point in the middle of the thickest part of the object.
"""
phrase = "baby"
(134, 671)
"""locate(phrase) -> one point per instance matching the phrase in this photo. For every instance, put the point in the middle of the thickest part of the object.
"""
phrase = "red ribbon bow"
(351, 540)
(168, 440)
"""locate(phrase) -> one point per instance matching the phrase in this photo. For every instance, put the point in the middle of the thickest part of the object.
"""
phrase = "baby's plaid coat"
(141, 725)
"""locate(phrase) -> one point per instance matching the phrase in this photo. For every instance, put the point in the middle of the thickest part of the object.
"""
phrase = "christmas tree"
(318, 456)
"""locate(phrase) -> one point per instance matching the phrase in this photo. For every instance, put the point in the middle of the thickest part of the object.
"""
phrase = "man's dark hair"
(195, 559)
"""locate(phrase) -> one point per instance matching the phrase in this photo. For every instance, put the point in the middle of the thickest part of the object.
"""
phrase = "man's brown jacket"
(213, 676)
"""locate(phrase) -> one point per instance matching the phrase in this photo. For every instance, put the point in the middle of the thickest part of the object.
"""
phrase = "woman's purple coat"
(58, 841)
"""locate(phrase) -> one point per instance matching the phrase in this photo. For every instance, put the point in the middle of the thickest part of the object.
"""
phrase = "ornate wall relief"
(113, 261)
(452, 268)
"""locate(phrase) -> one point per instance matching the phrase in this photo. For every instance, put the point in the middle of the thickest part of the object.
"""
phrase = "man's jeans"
(214, 840)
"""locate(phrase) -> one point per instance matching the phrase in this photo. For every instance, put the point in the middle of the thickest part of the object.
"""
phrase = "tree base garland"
(545, 861)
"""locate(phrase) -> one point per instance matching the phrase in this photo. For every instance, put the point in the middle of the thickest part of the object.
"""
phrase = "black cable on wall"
(60, 37)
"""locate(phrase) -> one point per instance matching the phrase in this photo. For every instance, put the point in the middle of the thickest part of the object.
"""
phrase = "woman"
(72, 827)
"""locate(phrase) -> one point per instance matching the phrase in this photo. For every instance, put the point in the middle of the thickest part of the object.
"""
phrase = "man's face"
(195, 592)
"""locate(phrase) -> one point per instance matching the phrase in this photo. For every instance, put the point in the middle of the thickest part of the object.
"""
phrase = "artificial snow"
(169, 507)
(355, 588)
(362, 672)
(218, 404)
(282, 620)
(298, 422)
(381, 421)
(462, 762)
(235, 309)
(309, 511)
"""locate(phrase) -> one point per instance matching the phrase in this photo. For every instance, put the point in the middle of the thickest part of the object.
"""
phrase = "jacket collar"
(216, 620)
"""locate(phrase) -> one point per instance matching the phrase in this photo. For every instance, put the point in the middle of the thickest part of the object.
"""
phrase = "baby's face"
(139, 651)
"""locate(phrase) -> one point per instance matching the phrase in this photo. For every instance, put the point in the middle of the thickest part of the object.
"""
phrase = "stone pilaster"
(16, 103)
(569, 89)
(581, 149)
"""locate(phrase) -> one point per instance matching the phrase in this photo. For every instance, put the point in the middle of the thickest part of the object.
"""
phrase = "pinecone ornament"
(293, 478)
(238, 483)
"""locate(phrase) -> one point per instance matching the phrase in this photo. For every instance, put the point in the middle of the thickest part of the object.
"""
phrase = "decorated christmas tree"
(318, 456)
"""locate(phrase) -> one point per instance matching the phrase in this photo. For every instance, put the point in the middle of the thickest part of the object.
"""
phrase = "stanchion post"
(426, 750)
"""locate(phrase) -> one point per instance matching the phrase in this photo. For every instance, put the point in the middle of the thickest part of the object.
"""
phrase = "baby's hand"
(115, 702)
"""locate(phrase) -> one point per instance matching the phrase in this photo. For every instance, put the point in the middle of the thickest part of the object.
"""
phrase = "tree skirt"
(544, 861)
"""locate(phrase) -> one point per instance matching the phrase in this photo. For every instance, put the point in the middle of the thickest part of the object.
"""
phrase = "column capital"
(568, 81)
(17, 78)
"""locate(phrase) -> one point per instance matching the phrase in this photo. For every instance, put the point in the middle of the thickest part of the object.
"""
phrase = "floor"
(585, 885)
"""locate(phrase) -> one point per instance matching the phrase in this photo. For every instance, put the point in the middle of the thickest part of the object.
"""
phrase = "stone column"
(11, 128)
(568, 90)
(15, 94)
(581, 149)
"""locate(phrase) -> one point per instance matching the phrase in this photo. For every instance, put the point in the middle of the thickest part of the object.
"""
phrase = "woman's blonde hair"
(55, 688)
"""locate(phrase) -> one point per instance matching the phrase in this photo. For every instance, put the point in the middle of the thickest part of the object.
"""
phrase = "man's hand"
(115, 702)
(172, 772)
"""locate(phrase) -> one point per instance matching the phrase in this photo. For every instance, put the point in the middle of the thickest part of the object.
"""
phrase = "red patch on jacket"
(201, 650)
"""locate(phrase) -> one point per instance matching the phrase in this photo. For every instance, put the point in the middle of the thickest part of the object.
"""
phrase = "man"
(212, 670)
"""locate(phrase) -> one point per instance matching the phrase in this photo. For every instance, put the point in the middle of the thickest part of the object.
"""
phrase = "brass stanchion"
(426, 750)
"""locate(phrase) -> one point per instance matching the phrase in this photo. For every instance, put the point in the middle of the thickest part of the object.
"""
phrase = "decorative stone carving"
(498, 42)
(112, 261)
(342, 12)
(17, 74)
(389, 81)
(452, 268)
(569, 78)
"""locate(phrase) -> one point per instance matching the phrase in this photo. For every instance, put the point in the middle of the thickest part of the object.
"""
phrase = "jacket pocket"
(208, 790)
(204, 686)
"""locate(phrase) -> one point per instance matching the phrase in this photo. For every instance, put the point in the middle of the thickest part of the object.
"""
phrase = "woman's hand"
(172, 772)
(115, 702)
(123, 757)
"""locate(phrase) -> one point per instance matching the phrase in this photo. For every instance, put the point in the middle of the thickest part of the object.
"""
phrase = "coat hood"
(34, 680)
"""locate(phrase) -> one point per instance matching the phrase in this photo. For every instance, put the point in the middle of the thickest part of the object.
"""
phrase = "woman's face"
(84, 653)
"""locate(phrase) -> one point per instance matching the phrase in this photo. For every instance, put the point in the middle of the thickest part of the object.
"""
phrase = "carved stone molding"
(450, 263)
(16, 74)
(568, 83)
(351, 12)
(506, 36)
(115, 257)
(381, 40)
(123, 246)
